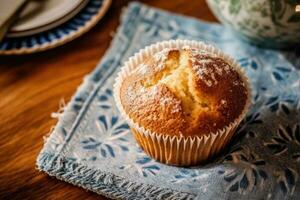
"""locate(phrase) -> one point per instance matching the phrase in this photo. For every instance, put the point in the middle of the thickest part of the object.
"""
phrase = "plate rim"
(50, 20)
(66, 38)
(48, 26)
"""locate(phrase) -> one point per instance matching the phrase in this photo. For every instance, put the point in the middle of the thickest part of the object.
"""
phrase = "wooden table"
(31, 87)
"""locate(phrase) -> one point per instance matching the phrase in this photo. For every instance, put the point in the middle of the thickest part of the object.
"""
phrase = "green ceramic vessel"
(269, 23)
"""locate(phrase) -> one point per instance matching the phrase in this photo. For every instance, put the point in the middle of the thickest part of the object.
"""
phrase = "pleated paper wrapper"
(179, 150)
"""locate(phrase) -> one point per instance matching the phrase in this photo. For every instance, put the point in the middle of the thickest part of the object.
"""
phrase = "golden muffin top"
(184, 92)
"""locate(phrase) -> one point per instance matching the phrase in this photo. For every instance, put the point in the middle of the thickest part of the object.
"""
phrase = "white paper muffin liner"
(179, 150)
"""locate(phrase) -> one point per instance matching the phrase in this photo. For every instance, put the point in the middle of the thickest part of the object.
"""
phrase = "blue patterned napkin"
(92, 147)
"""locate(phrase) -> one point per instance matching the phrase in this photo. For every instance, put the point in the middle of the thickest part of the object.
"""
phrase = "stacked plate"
(46, 24)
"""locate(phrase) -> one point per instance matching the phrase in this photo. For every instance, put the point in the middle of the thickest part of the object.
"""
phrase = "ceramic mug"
(270, 23)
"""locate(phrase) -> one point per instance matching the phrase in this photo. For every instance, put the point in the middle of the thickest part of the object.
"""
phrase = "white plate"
(66, 32)
(43, 15)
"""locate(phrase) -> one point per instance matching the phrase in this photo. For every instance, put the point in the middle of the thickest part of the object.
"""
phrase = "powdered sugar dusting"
(219, 70)
(208, 82)
(200, 71)
(170, 102)
(161, 57)
(166, 101)
(159, 62)
(152, 91)
(152, 117)
(186, 47)
(207, 65)
(176, 109)
(205, 61)
(236, 82)
(223, 101)
(226, 68)
(194, 50)
(214, 78)
(143, 69)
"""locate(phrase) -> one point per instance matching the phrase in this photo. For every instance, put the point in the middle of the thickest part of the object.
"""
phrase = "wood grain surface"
(31, 87)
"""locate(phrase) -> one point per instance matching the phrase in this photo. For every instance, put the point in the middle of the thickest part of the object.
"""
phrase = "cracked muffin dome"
(184, 92)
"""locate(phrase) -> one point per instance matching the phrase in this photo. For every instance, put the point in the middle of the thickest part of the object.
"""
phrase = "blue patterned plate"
(78, 25)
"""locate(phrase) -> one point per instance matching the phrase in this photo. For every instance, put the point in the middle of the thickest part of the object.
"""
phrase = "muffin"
(183, 100)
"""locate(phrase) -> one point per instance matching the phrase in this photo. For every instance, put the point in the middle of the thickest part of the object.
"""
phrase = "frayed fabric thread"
(103, 183)
(61, 109)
